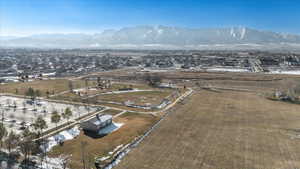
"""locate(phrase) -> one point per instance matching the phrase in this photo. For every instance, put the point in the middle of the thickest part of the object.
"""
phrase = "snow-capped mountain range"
(161, 37)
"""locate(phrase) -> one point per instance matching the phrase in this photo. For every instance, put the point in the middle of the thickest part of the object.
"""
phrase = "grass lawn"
(112, 112)
(114, 87)
(68, 97)
(139, 98)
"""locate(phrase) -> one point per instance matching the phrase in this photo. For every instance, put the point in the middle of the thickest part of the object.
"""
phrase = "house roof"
(100, 119)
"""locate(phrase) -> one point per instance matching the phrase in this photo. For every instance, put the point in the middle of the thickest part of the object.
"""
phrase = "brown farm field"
(225, 129)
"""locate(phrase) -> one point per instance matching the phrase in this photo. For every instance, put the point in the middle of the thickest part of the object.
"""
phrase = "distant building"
(103, 83)
(97, 123)
(167, 85)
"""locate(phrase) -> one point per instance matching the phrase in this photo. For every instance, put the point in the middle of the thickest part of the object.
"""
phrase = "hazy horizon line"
(92, 32)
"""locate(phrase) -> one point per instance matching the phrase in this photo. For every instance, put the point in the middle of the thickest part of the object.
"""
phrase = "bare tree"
(71, 86)
(40, 124)
(47, 93)
(86, 83)
(65, 160)
(67, 114)
(8, 102)
(38, 93)
(83, 157)
(153, 80)
(3, 133)
(26, 147)
(15, 104)
(2, 113)
(31, 93)
(55, 118)
(12, 141)
(24, 105)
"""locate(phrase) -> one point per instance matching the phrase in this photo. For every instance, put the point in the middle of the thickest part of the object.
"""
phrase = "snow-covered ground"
(4, 165)
(286, 72)
(60, 137)
(111, 128)
(48, 163)
(52, 163)
(19, 110)
(227, 70)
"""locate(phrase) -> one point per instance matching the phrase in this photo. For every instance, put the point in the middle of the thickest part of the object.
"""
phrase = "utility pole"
(83, 144)
(2, 116)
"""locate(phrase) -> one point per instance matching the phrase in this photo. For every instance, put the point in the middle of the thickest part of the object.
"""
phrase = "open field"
(53, 86)
(134, 125)
(139, 98)
(111, 112)
(93, 92)
(217, 127)
(113, 87)
(226, 129)
(254, 81)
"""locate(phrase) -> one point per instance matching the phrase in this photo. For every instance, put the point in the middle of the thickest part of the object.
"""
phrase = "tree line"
(22, 146)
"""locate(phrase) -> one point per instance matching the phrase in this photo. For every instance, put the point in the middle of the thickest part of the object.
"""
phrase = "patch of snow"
(48, 163)
(49, 74)
(51, 163)
(243, 33)
(116, 149)
(111, 128)
(104, 158)
(287, 72)
(60, 137)
(227, 70)
(125, 91)
(232, 33)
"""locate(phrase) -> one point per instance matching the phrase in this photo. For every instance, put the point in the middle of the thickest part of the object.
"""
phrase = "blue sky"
(22, 17)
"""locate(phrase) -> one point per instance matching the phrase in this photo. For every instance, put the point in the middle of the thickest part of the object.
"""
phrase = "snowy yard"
(19, 112)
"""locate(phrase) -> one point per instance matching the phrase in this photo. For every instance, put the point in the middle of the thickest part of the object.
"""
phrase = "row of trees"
(153, 80)
(288, 90)
(33, 93)
(56, 117)
(23, 144)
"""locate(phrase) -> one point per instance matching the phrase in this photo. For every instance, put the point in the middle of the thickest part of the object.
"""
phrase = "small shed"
(97, 123)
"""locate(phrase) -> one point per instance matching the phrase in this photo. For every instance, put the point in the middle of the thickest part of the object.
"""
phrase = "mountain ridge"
(157, 37)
